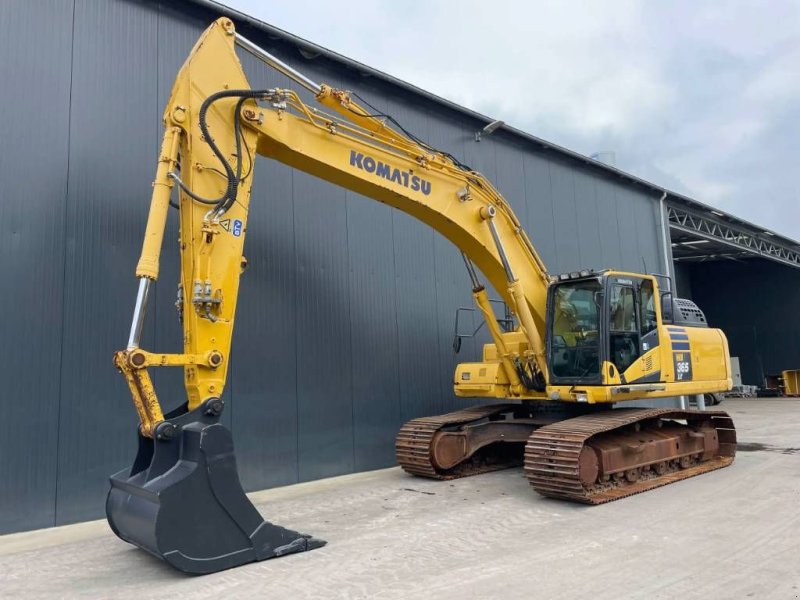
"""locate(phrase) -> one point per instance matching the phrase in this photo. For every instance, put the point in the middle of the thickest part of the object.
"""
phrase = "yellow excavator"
(576, 343)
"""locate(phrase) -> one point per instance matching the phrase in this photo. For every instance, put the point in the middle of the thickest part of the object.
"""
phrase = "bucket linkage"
(182, 500)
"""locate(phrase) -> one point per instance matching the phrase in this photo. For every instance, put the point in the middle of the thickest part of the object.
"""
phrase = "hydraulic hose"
(227, 199)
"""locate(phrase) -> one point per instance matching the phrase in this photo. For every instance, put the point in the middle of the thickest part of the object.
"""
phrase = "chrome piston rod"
(476, 283)
(138, 313)
(502, 252)
(278, 64)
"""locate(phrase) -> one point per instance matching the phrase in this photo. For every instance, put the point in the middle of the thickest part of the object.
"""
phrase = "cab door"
(633, 329)
(624, 344)
(648, 319)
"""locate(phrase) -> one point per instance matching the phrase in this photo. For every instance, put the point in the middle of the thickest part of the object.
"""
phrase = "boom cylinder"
(482, 301)
(500, 248)
(520, 302)
(473, 276)
(159, 206)
(526, 318)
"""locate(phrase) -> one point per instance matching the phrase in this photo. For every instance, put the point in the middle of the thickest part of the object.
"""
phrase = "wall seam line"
(64, 270)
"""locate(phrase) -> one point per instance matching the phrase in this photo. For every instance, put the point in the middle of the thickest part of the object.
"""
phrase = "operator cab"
(597, 318)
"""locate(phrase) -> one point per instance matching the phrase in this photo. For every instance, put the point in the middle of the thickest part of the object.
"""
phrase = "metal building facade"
(345, 322)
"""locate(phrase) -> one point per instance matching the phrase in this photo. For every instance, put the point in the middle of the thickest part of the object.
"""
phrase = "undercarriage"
(592, 458)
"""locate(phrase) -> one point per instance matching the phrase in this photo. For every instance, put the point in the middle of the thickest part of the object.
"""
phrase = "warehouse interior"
(747, 281)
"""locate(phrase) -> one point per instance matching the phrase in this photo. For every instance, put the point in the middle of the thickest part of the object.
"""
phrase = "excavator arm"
(215, 125)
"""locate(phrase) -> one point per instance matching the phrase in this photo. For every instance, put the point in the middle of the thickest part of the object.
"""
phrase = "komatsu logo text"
(405, 178)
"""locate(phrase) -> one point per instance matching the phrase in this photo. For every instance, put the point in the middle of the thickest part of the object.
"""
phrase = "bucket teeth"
(182, 502)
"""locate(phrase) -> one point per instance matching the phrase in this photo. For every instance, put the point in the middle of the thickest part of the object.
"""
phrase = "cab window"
(623, 309)
(575, 340)
(623, 326)
(648, 304)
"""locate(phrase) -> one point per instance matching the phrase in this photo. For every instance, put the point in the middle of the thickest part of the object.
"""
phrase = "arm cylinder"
(522, 309)
(159, 206)
(277, 64)
(526, 318)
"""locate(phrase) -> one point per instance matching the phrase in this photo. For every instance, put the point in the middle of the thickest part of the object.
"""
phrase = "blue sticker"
(237, 228)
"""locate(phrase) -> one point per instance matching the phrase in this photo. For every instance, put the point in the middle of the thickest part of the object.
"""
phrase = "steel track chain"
(413, 443)
(552, 452)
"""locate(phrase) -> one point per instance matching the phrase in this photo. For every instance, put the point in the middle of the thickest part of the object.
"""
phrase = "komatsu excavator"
(578, 343)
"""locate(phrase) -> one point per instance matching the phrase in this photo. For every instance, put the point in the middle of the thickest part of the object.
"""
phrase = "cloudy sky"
(700, 97)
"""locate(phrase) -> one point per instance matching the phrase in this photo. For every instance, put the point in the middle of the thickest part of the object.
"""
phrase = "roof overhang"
(703, 235)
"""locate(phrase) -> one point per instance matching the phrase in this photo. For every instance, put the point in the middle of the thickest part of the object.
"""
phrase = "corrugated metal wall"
(346, 316)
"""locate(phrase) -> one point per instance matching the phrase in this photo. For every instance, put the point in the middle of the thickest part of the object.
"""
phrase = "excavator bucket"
(182, 500)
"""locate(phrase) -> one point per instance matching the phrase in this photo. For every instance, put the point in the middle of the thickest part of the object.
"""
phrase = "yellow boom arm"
(212, 105)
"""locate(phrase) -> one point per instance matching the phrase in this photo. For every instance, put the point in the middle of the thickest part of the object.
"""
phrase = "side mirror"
(598, 299)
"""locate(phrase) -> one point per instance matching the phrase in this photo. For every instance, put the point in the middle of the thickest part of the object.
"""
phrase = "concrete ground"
(733, 533)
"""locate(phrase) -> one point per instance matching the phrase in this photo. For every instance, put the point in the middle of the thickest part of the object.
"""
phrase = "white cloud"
(778, 82)
(703, 97)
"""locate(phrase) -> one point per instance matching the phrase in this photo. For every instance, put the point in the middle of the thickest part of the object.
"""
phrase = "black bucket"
(182, 500)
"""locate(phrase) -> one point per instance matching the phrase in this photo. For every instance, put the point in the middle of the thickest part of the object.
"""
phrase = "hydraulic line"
(224, 202)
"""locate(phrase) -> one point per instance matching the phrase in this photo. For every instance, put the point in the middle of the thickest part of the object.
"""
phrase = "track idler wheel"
(182, 500)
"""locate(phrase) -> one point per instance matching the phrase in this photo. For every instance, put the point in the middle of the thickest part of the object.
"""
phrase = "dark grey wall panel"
(418, 339)
(648, 236)
(565, 217)
(264, 372)
(510, 177)
(588, 230)
(112, 148)
(608, 224)
(373, 331)
(480, 156)
(540, 221)
(346, 314)
(264, 355)
(629, 236)
(324, 392)
(35, 43)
